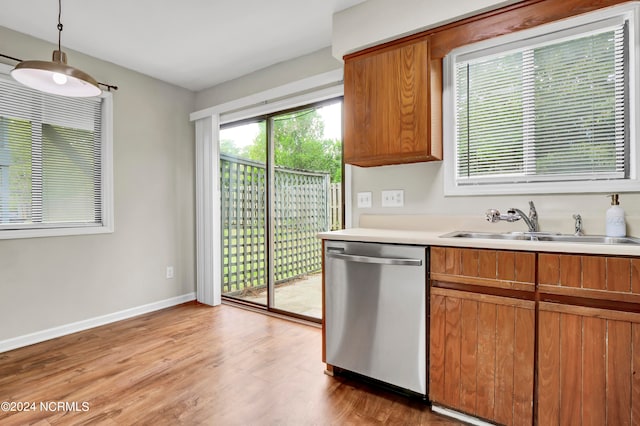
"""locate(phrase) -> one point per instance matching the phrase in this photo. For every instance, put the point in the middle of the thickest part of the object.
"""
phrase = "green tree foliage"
(299, 144)
(257, 151)
(227, 146)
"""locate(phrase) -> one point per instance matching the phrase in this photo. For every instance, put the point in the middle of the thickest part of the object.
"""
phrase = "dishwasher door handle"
(374, 260)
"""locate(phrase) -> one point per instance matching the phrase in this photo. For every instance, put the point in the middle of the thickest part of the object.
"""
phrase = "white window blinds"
(50, 159)
(544, 109)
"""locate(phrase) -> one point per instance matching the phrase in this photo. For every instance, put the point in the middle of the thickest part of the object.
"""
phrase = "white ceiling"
(194, 44)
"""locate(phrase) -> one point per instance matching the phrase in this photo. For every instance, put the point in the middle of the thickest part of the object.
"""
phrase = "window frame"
(547, 32)
(107, 219)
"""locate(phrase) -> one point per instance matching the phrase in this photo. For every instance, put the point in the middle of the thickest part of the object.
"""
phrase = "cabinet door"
(482, 355)
(388, 106)
(588, 366)
(360, 97)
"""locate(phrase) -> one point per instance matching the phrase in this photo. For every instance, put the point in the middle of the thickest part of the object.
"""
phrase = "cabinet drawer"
(482, 267)
(611, 278)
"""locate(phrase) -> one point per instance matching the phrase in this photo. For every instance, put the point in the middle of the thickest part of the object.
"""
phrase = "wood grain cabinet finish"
(482, 267)
(588, 340)
(588, 366)
(612, 278)
(579, 333)
(482, 355)
(392, 105)
(481, 350)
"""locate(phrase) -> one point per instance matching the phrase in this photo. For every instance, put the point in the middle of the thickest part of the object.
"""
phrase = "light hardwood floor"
(193, 364)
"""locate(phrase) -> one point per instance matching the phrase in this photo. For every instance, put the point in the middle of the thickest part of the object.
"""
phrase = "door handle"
(375, 260)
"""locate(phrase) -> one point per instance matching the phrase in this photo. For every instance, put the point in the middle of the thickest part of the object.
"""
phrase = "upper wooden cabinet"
(393, 105)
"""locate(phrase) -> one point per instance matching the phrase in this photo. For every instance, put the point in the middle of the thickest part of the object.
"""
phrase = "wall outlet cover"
(170, 272)
(364, 200)
(393, 198)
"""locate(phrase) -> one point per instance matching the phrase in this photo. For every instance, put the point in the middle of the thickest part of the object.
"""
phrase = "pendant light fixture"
(56, 76)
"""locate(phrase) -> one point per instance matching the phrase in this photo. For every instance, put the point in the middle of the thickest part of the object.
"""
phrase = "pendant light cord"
(59, 25)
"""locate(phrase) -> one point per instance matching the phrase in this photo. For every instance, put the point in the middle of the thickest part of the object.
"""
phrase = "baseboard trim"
(52, 333)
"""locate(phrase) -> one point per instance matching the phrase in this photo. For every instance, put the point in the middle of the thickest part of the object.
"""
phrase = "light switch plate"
(393, 198)
(364, 200)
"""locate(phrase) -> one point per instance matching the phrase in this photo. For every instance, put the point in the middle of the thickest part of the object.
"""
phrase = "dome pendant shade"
(56, 77)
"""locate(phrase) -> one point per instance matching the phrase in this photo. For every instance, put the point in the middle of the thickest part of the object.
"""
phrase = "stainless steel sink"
(488, 235)
(543, 236)
(591, 239)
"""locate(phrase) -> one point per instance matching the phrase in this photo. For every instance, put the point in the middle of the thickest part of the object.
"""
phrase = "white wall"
(50, 282)
(376, 21)
(276, 75)
(423, 186)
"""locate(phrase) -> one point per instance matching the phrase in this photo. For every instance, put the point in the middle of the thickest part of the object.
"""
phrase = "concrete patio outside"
(301, 296)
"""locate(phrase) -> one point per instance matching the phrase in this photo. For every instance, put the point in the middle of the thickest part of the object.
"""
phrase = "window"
(55, 163)
(545, 110)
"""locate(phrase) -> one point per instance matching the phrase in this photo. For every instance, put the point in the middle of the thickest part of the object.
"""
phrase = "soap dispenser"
(615, 226)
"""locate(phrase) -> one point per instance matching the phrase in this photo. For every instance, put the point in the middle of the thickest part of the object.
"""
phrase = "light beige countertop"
(428, 231)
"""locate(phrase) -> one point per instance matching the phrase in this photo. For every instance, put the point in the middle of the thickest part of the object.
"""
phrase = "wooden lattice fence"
(301, 209)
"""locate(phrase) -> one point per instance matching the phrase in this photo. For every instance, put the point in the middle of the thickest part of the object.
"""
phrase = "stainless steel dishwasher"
(375, 311)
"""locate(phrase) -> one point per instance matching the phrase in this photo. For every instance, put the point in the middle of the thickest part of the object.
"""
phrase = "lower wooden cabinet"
(588, 366)
(482, 355)
(557, 333)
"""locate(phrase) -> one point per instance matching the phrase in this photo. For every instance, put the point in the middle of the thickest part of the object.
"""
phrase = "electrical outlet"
(169, 272)
(393, 198)
(364, 200)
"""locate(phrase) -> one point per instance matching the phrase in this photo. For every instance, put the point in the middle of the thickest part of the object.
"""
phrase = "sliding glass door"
(280, 185)
(243, 203)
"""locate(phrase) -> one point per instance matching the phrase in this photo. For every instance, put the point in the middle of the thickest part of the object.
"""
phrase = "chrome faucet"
(578, 225)
(514, 214)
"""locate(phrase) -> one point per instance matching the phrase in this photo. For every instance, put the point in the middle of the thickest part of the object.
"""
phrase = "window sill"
(567, 187)
(53, 232)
